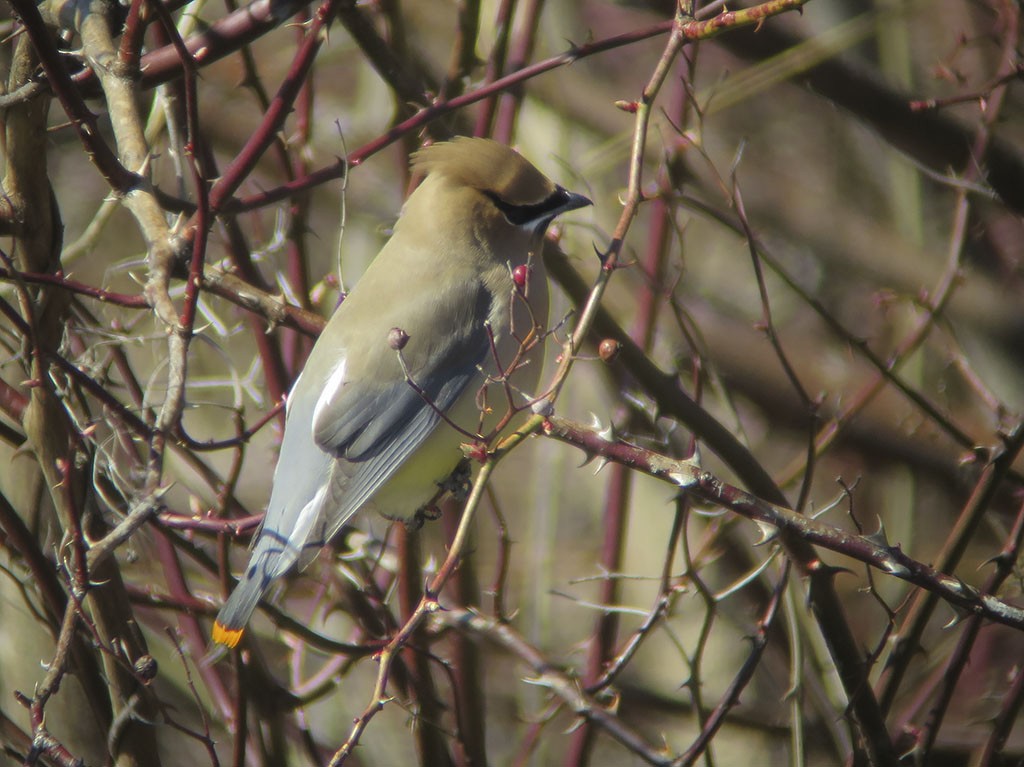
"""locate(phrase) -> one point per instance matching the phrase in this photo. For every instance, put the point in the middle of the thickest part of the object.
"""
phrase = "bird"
(400, 378)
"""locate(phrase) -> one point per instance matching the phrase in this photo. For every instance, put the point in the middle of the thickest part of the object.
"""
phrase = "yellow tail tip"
(225, 636)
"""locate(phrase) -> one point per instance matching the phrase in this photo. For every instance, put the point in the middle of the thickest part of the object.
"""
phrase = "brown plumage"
(357, 434)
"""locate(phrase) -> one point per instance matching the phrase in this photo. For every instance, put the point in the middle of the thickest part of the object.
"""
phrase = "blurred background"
(826, 264)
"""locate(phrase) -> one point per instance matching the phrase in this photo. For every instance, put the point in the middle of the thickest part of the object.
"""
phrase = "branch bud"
(397, 339)
(608, 349)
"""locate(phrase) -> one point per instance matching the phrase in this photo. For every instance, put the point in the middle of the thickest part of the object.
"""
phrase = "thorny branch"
(122, 440)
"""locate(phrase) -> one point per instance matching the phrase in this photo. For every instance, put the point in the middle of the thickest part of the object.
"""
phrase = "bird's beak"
(573, 201)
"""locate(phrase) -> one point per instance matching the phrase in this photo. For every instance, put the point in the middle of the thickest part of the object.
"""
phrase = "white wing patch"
(332, 388)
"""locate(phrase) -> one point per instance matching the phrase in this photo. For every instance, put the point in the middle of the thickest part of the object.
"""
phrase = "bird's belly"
(417, 480)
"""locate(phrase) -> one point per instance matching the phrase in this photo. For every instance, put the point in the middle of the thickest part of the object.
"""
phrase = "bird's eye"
(534, 213)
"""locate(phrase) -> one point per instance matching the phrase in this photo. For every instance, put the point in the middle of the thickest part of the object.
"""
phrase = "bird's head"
(496, 182)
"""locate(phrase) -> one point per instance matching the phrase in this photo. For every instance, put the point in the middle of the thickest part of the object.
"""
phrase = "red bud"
(608, 349)
(520, 276)
(476, 451)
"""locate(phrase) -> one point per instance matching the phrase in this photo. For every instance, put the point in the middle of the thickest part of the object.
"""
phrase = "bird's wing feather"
(373, 427)
(366, 419)
(371, 404)
(399, 437)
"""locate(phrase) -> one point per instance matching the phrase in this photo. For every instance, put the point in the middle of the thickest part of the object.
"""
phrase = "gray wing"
(373, 427)
(368, 420)
(314, 494)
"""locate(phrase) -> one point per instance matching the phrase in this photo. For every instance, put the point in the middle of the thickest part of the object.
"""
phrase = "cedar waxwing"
(442, 305)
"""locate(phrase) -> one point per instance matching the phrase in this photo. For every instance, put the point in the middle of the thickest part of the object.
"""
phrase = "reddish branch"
(872, 550)
(71, 98)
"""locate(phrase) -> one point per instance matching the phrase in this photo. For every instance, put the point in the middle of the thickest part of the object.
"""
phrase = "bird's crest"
(487, 166)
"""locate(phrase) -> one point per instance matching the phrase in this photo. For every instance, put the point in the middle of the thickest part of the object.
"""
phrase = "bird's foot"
(459, 482)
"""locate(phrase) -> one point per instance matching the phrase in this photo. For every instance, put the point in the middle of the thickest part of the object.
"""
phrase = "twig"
(873, 551)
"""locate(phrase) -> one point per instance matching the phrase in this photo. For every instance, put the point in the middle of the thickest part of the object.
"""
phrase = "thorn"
(544, 407)
(998, 560)
(768, 532)
(587, 458)
(960, 614)
(576, 724)
(878, 537)
(958, 587)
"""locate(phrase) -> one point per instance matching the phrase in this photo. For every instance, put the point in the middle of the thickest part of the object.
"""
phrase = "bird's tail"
(282, 539)
(235, 614)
